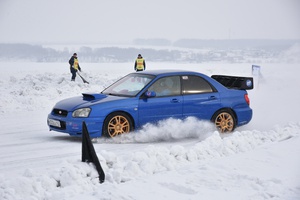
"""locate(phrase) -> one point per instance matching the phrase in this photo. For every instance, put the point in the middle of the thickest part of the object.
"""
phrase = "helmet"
(169, 83)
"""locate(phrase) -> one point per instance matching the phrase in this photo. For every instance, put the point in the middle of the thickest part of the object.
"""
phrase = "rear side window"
(195, 85)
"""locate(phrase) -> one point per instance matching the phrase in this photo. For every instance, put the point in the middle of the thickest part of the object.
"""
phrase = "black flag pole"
(89, 154)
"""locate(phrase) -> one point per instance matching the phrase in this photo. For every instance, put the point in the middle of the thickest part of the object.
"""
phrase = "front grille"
(63, 125)
(59, 112)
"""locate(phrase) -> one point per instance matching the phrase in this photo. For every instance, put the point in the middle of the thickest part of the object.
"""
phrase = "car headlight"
(82, 112)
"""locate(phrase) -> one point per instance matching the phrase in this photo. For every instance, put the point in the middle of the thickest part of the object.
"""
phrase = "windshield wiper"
(118, 95)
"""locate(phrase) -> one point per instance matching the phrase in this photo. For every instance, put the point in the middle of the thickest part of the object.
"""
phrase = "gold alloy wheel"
(118, 125)
(224, 122)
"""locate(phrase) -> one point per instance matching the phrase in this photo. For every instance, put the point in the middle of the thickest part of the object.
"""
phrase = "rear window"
(195, 85)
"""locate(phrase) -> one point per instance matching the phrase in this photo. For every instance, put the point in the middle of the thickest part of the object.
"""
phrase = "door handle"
(174, 100)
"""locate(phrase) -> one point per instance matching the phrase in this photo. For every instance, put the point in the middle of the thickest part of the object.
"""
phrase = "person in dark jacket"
(140, 63)
(74, 66)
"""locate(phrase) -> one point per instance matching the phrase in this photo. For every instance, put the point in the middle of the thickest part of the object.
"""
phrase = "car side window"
(195, 85)
(167, 86)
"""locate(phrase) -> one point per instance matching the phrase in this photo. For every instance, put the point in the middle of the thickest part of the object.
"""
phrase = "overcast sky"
(113, 21)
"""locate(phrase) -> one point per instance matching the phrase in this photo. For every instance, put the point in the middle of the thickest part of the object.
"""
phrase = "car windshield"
(129, 85)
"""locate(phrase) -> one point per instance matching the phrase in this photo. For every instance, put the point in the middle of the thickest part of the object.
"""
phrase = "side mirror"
(149, 94)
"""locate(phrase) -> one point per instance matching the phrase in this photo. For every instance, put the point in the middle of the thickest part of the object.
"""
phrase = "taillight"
(247, 99)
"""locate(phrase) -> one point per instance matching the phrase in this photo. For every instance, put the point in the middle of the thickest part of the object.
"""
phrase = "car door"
(200, 99)
(165, 104)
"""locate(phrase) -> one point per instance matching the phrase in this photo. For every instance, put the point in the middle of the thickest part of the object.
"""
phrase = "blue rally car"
(150, 96)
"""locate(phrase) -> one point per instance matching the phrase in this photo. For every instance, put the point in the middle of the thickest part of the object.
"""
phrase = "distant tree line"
(266, 44)
(38, 53)
(275, 45)
(185, 50)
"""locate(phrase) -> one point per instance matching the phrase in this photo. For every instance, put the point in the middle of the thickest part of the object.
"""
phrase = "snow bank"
(73, 178)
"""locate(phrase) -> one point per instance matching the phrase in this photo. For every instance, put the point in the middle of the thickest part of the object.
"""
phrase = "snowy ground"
(174, 160)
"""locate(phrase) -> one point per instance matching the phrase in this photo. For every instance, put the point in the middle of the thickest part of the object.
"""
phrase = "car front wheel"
(224, 121)
(116, 124)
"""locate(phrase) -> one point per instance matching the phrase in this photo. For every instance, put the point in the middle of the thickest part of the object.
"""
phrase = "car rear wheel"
(224, 121)
(116, 124)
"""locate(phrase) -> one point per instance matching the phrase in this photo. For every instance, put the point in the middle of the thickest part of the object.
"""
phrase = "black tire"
(116, 124)
(225, 121)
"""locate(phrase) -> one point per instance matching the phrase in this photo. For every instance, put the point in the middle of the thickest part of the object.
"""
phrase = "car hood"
(86, 100)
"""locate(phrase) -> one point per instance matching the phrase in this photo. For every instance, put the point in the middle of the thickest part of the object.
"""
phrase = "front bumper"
(73, 126)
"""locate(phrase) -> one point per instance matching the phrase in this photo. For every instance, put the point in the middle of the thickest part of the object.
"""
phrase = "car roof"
(168, 72)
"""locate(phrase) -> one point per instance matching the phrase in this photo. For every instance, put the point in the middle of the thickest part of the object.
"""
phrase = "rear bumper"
(244, 116)
(73, 126)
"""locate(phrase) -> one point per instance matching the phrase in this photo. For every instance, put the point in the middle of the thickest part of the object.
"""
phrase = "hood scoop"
(93, 96)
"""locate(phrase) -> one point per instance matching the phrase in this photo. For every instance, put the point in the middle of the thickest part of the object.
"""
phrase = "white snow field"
(175, 159)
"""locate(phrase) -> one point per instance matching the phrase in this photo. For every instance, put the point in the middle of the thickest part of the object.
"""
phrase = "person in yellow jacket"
(74, 66)
(140, 63)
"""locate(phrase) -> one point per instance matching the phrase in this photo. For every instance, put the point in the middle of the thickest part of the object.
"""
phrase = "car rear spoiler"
(235, 82)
